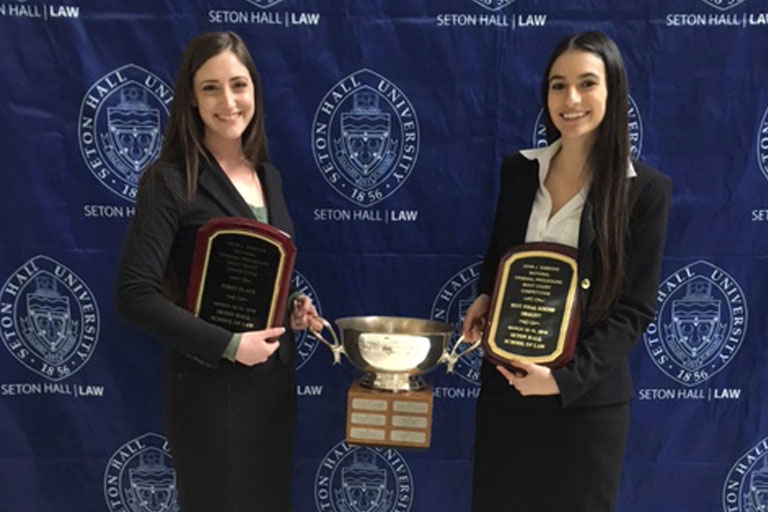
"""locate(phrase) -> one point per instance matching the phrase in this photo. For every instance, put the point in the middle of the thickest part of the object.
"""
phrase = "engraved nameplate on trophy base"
(389, 419)
(240, 274)
(534, 314)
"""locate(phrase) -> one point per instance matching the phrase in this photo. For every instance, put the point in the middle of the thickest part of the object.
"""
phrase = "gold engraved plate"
(409, 421)
(393, 352)
(368, 434)
(367, 404)
(361, 418)
(413, 407)
(403, 436)
(534, 312)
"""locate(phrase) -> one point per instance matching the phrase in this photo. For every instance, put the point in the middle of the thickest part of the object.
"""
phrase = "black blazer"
(599, 372)
(153, 272)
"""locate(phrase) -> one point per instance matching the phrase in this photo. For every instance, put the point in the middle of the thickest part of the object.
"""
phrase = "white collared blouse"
(563, 226)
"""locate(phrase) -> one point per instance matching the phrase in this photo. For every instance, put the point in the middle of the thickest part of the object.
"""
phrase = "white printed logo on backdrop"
(264, 16)
(38, 10)
(738, 19)
(365, 137)
(363, 479)
(700, 323)
(635, 125)
(306, 344)
(762, 144)
(450, 305)
(746, 487)
(494, 5)
(723, 5)
(120, 126)
(49, 318)
(495, 20)
(140, 478)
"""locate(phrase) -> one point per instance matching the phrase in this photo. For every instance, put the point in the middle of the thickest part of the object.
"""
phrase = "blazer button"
(585, 284)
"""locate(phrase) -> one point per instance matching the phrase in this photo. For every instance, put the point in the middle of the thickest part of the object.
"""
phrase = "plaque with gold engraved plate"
(240, 274)
(534, 313)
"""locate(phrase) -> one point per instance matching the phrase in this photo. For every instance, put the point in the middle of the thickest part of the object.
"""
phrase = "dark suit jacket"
(157, 252)
(599, 372)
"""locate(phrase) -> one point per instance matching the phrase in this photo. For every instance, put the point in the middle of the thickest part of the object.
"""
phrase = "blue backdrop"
(455, 84)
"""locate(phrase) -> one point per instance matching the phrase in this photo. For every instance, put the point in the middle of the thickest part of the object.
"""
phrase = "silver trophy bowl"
(394, 352)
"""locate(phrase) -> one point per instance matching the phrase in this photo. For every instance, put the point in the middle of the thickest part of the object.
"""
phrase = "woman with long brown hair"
(230, 397)
(553, 439)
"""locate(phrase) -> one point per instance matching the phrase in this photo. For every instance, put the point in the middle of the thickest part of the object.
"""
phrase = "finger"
(313, 315)
(475, 327)
(524, 367)
(513, 372)
(298, 302)
(470, 330)
(506, 373)
(274, 332)
(271, 347)
(522, 364)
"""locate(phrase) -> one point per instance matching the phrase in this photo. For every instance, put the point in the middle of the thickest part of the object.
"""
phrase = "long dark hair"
(183, 143)
(607, 161)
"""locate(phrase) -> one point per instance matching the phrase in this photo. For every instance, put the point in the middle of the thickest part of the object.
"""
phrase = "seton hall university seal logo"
(365, 137)
(746, 487)
(49, 319)
(700, 324)
(120, 126)
(762, 144)
(306, 343)
(363, 479)
(140, 478)
(450, 306)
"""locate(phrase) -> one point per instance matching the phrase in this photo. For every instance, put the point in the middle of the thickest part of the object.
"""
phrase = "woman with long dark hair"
(553, 439)
(230, 397)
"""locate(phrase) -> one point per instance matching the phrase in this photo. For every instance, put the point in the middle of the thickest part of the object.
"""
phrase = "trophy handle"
(450, 359)
(336, 348)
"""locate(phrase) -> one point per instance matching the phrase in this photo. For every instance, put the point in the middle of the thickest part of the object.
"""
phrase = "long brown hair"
(607, 160)
(183, 143)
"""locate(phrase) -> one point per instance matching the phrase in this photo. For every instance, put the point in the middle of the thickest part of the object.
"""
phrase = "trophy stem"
(393, 382)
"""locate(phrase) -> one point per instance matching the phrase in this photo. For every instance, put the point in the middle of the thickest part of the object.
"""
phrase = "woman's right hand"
(475, 318)
(254, 345)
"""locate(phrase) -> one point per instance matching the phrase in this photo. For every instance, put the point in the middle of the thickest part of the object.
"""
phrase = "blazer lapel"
(586, 233)
(213, 180)
(585, 256)
(265, 178)
(525, 188)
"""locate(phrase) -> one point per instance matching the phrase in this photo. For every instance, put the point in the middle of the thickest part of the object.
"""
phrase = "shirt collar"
(544, 156)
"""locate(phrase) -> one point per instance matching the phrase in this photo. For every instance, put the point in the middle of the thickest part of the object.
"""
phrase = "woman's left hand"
(304, 314)
(533, 379)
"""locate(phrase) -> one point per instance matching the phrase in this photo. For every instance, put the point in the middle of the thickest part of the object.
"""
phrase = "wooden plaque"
(534, 313)
(240, 275)
(389, 419)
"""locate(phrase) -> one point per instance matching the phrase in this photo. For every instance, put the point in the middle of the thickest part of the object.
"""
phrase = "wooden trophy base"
(389, 419)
